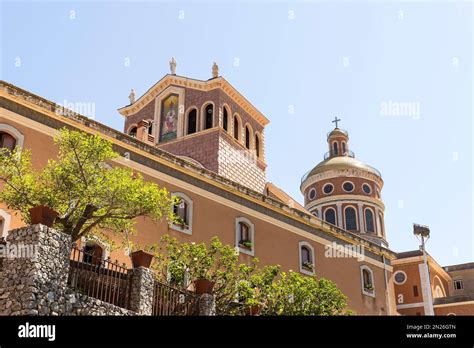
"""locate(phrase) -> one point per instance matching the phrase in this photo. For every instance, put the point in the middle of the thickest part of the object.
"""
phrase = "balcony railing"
(99, 278)
(330, 154)
(3, 242)
(171, 301)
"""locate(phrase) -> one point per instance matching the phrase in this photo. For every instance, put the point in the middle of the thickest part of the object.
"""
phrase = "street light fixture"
(423, 232)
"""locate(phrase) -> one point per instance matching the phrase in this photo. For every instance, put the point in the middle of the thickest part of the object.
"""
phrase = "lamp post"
(423, 233)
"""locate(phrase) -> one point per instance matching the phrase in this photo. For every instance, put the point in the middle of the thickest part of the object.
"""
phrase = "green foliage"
(297, 294)
(238, 286)
(82, 187)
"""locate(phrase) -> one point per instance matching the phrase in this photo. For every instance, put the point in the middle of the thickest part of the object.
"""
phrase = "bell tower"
(205, 122)
(338, 141)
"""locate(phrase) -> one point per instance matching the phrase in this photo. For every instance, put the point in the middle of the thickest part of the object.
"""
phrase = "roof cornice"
(52, 110)
(185, 82)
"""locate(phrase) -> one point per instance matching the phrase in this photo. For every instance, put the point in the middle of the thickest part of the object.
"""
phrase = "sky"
(398, 74)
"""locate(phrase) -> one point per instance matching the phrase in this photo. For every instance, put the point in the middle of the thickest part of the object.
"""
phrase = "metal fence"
(3, 244)
(99, 278)
(171, 301)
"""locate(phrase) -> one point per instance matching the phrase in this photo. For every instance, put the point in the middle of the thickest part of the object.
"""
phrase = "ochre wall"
(273, 244)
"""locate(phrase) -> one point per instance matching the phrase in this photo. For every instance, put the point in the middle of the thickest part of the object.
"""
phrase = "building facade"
(423, 287)
(204, 142)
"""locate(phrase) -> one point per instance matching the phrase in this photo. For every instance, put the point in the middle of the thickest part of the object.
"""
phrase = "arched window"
(209, 116)
(247, 137)
(92, 253)
(380, 225)
(244, 235)
(369, 221)
(257, 145)
(330, 216)
(343, 147)
(438, 292)
(236, 128)
(367, 280)
(192, 121)
(183, 210)
(351, 219)
(4, 223)
(305, 255)
(150, 127)
(10, 137)
(306, 258)
(133, 131)
(335, 148)
(225, 119)
(7, 141)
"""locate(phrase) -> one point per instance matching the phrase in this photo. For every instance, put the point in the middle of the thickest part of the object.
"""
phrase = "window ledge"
(178, 228)
(306, 271)
(250, 252)
(369, 293)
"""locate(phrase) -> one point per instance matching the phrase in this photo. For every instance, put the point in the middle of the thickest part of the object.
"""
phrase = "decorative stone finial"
(132, 96)
(215, 70)
(173, 66)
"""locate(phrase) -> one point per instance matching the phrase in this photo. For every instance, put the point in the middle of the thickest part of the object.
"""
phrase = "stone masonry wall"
(34, 280)
(36, 283)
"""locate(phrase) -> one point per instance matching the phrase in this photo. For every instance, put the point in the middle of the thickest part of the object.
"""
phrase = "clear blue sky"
(317, 58)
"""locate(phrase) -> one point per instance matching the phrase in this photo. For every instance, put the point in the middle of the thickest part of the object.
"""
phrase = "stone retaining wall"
(35, 282)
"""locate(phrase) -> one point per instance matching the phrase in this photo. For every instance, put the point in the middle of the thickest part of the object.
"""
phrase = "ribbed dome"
(337, 131)
(341, 162)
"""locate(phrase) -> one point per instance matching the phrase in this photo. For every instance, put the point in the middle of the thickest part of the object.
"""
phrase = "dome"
(341, 162)
(337, 132)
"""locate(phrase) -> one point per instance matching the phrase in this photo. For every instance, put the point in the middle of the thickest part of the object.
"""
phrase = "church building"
(205, 143)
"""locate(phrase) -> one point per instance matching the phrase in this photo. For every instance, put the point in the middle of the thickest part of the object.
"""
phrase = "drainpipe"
(429, 296)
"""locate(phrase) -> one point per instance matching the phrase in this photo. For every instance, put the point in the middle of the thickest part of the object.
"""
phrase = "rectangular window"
(415, 291)
(458, 285)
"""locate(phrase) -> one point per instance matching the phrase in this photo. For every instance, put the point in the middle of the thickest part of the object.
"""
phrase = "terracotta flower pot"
(42, 214)
(253, 310)
(141, 258)
(203, 286)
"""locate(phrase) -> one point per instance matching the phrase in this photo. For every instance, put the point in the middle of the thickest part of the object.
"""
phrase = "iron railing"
(3, 242)
(99, 278)
(333, 153)
(168, 300)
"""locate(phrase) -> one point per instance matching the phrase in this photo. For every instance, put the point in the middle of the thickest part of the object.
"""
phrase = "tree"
(81, 185)
(239, 286)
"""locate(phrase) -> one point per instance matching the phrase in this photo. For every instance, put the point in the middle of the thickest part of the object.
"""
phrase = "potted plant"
(369, 287)
(253, 307)
(140, 257)
(181, 223)
(246, 244)
(203, 286)
(250, 297)
(42, 214)
(308, 266)
(200, 261)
